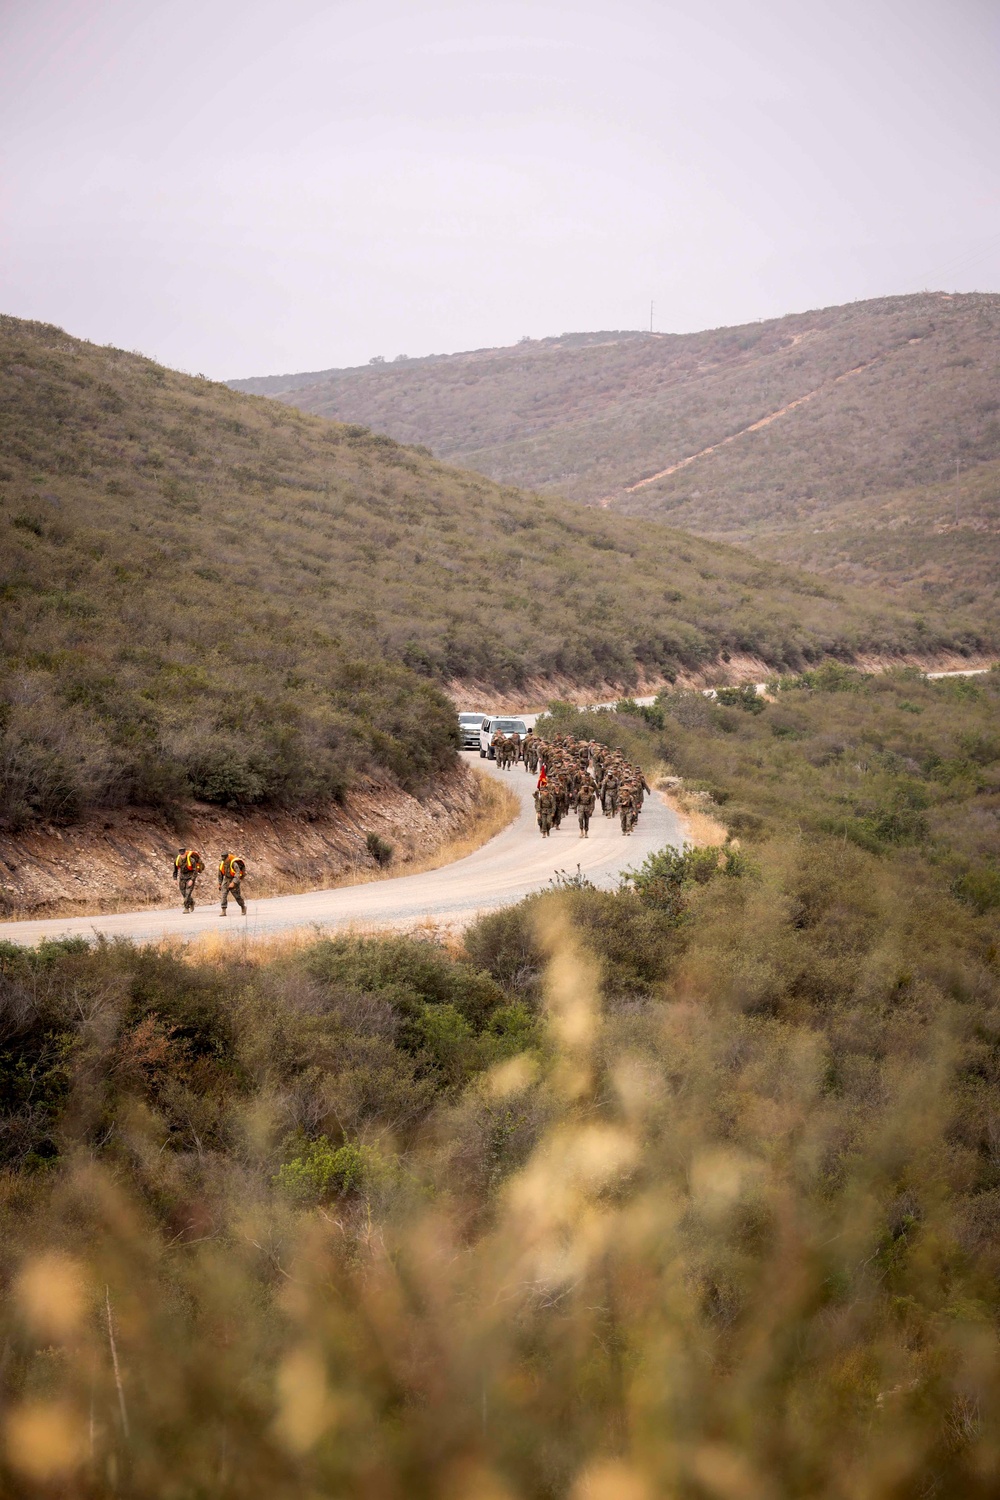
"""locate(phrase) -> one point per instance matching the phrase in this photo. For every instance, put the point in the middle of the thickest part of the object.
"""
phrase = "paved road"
(510, 866)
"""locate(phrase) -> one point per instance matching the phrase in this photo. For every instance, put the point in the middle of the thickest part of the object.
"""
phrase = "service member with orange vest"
(231, 875)
(187, 867)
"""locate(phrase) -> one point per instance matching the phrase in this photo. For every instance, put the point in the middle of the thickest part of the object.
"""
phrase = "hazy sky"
(276, 185)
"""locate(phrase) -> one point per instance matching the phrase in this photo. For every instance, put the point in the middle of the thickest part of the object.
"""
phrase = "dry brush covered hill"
(759, 434)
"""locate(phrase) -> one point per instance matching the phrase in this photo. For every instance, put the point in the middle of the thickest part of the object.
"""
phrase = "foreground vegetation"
(210, 594)
(691, 1189)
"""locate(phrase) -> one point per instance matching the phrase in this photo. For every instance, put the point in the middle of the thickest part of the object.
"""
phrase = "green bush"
(228, 780)
(746, 697)
(635, 942)
(320, 1171)
(505, 944)
(409, 972)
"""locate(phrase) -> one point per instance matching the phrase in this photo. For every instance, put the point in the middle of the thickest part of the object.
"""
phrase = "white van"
(489, 727)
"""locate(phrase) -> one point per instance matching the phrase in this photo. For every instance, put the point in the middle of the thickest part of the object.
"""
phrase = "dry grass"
(681, 1249)
(700, 829)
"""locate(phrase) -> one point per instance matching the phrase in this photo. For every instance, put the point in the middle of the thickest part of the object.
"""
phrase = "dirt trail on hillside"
(773, 416)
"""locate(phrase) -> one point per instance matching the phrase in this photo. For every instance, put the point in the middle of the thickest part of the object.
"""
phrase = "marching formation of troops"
(575, 775)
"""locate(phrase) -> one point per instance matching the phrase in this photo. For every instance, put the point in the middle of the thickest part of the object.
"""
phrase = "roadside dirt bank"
(538, 692)
(122, 860)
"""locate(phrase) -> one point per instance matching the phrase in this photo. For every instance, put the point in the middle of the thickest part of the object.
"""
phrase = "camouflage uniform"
(187, 867)
(545, 807)
(586, 798)
(560, 800)
(231, 874)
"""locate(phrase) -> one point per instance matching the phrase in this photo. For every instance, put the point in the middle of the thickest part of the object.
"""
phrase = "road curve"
(512, 865)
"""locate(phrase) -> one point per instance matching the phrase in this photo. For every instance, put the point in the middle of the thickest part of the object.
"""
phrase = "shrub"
(505, 944)
(980, 889)
(745, 697)
(661, 878)
(380, 850)
(409, 972)
(228, 780)
(320, 1171)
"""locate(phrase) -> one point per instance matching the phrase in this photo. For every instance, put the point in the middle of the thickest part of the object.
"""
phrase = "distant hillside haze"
(757, 434)
(593, 415)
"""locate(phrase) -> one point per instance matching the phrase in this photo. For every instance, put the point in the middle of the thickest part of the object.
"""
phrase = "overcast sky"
(278, 185)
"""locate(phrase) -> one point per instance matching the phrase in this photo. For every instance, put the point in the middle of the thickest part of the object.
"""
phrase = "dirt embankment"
(537, 693)
(122, 861)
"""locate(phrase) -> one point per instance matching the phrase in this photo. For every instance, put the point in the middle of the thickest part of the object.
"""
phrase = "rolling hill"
(755, 434)
(206, 591)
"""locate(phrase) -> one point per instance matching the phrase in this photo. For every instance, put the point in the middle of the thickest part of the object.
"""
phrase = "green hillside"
(891, 393)
(210, 592)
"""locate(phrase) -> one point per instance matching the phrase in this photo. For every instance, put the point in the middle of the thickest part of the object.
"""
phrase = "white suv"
(489, 727)
(468, 728)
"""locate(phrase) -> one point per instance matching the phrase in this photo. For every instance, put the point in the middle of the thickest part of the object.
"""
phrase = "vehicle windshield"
(511, 726)
(471, 718)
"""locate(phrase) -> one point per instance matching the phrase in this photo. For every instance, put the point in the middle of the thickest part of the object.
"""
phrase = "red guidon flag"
(543, 778)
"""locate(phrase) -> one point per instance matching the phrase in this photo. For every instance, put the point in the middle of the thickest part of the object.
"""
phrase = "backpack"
(232, 867)
(190, 861)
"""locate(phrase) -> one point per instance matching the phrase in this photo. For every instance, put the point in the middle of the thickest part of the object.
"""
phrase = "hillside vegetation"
(937, 541)
(592, 417)
(690, 1189)
(212, 593)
